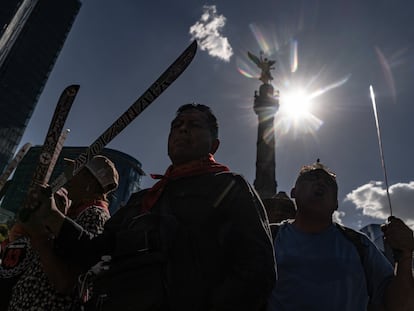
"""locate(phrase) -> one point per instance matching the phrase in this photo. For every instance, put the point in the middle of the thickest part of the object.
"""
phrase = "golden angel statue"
(265, 65)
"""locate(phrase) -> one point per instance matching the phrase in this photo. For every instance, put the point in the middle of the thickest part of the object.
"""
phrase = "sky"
(327, 53)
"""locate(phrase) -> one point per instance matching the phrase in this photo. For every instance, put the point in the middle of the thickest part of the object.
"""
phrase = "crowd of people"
(200, 239)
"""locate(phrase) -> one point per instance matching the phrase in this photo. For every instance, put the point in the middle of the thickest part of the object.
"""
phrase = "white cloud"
(372, 199)
(337, 217)
(207, 32)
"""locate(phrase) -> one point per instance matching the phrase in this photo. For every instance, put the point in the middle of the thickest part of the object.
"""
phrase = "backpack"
(136, 266)
(114, 284)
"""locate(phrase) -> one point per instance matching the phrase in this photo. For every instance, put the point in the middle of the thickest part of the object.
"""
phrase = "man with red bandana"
(197, 240)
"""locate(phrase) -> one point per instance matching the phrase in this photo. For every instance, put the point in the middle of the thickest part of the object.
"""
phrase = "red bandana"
(193, 168)
(16, 231)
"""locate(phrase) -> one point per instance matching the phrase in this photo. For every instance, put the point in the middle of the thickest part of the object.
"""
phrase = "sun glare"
(295, 115)
(295, 105)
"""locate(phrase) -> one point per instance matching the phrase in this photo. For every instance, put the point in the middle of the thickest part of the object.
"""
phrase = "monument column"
(265, 106)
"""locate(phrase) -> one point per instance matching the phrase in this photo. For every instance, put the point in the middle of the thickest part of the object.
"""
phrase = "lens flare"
(296, 100)
(295, 114)
(246, 69)
(329, 87)
(386, 70)
(293, 55)
(296, 108)
(308, 124)
(295, 104)
(260, 38)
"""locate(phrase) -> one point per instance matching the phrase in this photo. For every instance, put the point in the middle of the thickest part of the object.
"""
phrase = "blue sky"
(331, 50)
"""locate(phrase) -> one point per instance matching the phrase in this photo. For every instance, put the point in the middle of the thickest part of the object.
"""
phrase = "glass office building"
(32, 33)
(129, 169)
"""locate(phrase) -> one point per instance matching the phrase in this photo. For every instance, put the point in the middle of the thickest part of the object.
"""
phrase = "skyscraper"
(32, 33)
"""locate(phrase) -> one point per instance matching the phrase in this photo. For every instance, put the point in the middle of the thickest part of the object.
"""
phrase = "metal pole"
(374, 106)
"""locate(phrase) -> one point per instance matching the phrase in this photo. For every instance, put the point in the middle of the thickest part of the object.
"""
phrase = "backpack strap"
(355, 238)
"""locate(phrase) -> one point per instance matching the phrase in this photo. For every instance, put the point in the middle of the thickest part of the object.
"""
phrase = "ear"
(214, 145)
(293, 193)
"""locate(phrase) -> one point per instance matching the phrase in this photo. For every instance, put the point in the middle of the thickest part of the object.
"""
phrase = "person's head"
(193, 134)
(316, 188)
(95, 181)
(280, 207)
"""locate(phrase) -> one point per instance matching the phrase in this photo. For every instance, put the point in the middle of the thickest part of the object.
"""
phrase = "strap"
(355, 238)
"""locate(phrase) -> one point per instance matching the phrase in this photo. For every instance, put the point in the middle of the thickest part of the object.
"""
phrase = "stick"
(374, 106)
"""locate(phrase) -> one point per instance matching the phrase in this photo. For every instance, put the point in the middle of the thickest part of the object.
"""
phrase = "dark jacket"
(220, 254)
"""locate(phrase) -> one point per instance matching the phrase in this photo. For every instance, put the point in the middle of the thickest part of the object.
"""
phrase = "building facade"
(129, 169)
(32, 33)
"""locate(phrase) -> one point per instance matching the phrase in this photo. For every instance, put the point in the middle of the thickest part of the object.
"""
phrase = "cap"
(104, 171)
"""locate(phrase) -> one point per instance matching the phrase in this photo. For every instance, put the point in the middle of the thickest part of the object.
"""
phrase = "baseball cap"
(104, 171)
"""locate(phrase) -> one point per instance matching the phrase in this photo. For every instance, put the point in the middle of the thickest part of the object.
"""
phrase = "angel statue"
(265, 65)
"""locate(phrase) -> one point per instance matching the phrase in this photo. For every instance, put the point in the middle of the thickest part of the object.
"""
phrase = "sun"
(295, 113)
(295, 104)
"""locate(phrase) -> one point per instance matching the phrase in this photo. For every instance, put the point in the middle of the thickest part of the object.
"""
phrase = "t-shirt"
(323, 271)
